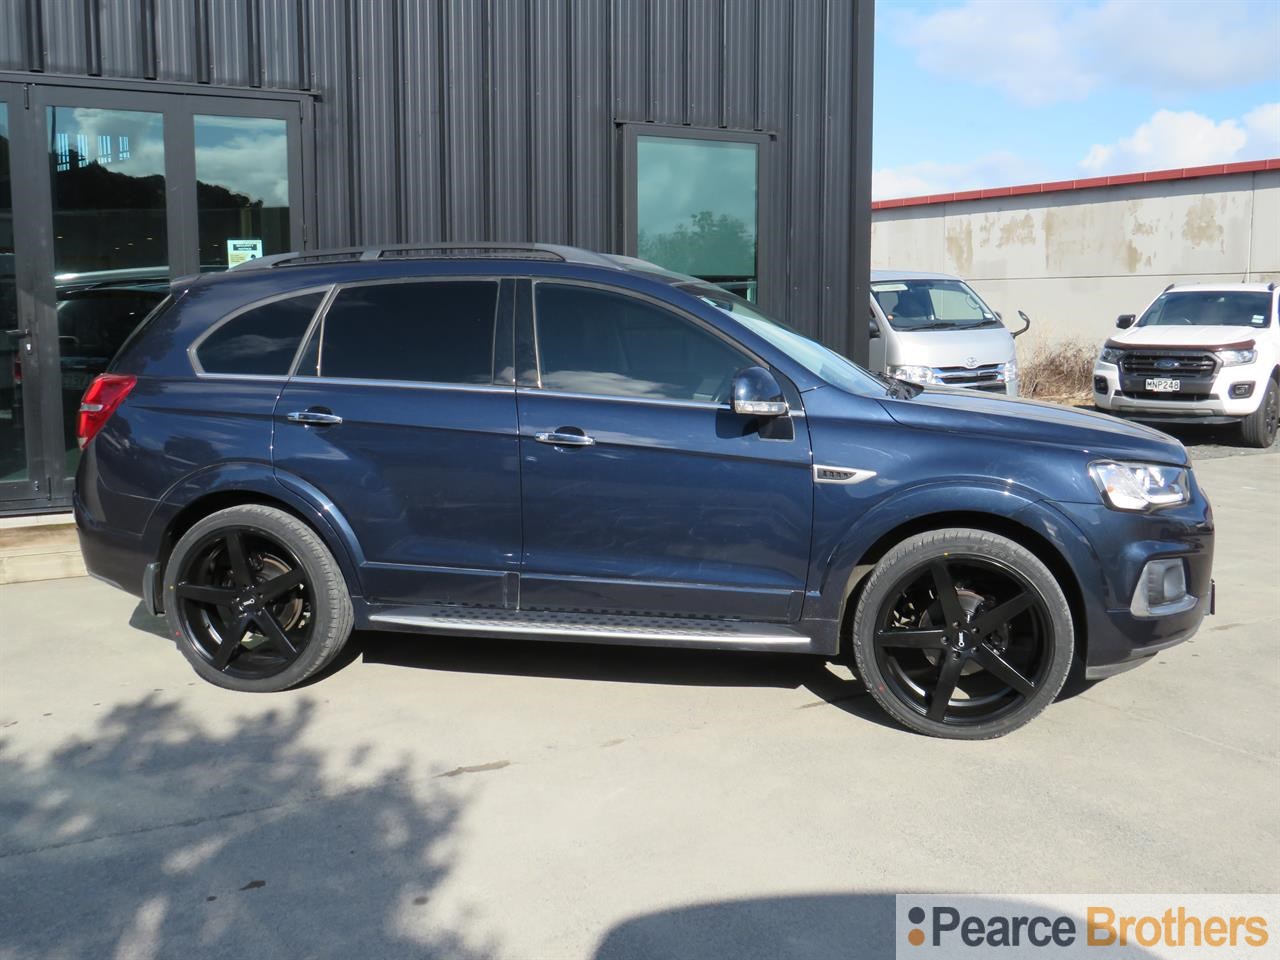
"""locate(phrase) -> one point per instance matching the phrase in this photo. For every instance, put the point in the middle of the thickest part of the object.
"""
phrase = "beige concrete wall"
(1075, 260)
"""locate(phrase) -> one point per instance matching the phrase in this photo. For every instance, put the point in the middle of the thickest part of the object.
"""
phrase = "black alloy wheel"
(255, 599)
(960, 633)
(244, 601)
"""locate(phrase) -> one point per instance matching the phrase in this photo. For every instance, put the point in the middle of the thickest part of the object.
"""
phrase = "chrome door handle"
(559, 439)
(314, 417)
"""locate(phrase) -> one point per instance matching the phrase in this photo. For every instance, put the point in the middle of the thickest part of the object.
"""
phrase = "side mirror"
(1026, 324)
(1125, 320)
(875, 329)
(756, 393)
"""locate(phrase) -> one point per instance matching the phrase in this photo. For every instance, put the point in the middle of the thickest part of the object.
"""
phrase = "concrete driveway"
(451, 798)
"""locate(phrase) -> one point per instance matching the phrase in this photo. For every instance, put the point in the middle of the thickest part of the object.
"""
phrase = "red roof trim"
(1182, 173)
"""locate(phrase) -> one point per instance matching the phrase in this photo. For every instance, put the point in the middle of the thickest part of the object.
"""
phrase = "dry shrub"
(1059, 370)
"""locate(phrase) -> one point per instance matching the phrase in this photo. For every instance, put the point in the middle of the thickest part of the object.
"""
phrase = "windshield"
(932, 305)
(819, 360)
(1209, 308)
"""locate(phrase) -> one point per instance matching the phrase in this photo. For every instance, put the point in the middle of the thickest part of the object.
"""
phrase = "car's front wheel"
(962, 633)
(1259, 428)
(255, 600)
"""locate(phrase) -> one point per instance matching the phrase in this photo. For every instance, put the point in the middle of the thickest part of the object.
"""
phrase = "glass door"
(110, 194)
(21, 473)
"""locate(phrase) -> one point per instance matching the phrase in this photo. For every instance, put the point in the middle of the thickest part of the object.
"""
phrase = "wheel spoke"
(1002, 669)
(231, 634)
(238, 559)
(945, 589)
(924, 639)
(274, 633)
(217, 596)
(993, 620)
(278, 585)
(948, 675)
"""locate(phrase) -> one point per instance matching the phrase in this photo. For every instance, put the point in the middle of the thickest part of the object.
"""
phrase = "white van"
(932, 328)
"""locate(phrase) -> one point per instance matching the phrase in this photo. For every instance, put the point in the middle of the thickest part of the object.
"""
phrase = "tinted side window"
(437, 332)
(262, 340)
(596, 341)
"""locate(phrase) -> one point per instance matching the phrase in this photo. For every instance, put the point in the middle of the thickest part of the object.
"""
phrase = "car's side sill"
(595, 628)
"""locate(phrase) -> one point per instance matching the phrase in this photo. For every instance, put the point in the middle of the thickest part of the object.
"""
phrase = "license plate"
(1163, 385)
(75, 381)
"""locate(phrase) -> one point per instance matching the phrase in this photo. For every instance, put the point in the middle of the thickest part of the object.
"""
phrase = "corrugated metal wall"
(497, 119)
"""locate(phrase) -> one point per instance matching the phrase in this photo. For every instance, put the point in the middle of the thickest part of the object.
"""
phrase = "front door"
(643, 492)
(394, 416)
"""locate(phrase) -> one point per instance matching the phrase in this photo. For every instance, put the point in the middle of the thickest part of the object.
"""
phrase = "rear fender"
(257, 481)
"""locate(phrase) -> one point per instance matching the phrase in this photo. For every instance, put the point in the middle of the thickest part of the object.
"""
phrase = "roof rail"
(424, 251)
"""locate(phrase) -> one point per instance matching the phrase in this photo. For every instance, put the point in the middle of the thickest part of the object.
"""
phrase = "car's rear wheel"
(255, 600)
(963, 634)
(1259, 428)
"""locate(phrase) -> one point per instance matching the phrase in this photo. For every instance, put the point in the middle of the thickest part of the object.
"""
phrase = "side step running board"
(594, 628)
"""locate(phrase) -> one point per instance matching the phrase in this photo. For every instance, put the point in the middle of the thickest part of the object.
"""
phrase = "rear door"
(395, 416)
(643, 492)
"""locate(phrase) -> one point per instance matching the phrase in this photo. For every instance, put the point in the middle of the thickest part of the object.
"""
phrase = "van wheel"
(255, 600)
(962, 634)
(1259, 428)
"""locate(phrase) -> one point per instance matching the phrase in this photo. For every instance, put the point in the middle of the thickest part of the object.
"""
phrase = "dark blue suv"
(544, 442)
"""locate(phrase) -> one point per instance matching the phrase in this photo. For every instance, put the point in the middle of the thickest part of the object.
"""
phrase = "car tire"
(255, 600)
(1259, 428)
(970, 615)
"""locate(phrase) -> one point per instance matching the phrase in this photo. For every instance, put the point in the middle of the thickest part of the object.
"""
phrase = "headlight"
(1140, 486)
(1110, 355)
(915, 374)
(1011, 370)
(1233, 358)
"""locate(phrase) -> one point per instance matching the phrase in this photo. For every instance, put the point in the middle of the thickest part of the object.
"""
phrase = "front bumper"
(1204, 400)
(1123, 544)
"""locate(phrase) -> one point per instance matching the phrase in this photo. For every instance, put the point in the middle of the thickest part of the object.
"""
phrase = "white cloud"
(1188, 139)
(1045, 51)
(926, 177)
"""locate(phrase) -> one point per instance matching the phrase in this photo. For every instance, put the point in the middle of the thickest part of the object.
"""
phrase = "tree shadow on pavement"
(163, 836)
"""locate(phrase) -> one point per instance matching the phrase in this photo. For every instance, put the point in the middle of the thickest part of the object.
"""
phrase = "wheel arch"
(203, 496)
(1011, 527)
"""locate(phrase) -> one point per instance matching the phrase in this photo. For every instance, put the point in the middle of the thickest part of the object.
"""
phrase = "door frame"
(28, 98)
(32, 493)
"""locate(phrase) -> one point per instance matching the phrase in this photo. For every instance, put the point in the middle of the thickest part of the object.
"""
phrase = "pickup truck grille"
(1169, 364)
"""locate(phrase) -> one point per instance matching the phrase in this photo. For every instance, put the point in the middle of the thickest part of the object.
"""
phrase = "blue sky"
(990, 93)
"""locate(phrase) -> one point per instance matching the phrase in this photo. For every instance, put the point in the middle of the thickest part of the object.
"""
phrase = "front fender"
(256, 478)
(841, 569)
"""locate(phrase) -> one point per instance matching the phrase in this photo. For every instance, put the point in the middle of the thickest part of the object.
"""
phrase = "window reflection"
(110, 239)
(242, 188)
(696, 208)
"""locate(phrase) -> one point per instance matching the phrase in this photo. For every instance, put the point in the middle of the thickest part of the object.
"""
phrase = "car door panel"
(665, 506)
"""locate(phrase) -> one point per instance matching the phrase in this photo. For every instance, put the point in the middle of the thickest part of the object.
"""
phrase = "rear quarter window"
(260, 341)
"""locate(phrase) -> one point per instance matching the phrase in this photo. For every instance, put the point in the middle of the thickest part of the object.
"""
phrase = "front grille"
(1175, 365)
(987, 377)
(1175, 397)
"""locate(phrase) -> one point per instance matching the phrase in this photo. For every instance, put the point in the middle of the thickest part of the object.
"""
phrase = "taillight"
(17, 371)
(100, 401)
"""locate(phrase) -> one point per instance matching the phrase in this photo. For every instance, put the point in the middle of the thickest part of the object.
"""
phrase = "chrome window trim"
(656, 401)
(410, 384)
(698, 322)
(193, 349)
(316, 324)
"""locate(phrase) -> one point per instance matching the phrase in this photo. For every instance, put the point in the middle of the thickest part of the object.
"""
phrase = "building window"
(697, 207)
(242, 188)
